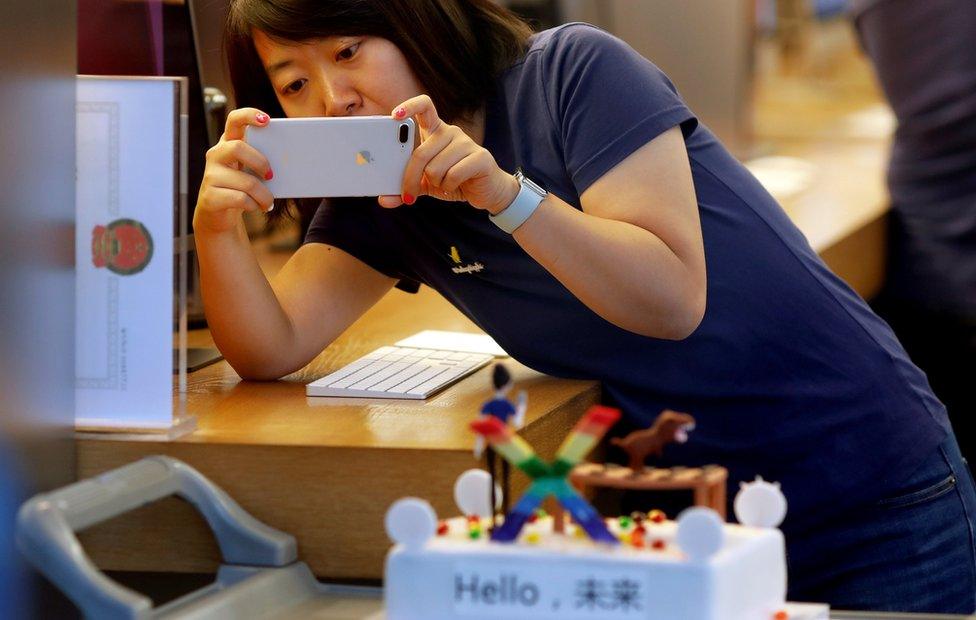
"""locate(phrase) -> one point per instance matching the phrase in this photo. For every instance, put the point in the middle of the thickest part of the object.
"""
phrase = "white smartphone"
(331, 157)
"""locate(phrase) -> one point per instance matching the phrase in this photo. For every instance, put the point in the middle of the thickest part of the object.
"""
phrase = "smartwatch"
(524, 205)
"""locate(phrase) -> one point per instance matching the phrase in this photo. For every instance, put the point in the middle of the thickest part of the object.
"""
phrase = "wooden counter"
(322, 469)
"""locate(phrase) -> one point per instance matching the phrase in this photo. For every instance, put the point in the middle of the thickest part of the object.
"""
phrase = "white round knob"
(472, 493)
(411, 522)
(760, 504)
(700, 533)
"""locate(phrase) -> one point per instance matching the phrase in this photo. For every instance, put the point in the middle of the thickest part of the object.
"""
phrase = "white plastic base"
(546, 575)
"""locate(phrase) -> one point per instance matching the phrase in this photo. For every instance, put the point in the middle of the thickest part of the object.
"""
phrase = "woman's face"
(337, 76)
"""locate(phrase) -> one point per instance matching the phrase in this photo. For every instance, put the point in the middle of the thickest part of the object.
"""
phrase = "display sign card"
(129, 167)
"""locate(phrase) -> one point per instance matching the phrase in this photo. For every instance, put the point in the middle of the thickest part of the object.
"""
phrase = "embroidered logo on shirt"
(471, 268)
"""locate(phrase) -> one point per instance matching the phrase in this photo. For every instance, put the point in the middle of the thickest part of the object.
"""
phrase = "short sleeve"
(606, 100)
(354, 225)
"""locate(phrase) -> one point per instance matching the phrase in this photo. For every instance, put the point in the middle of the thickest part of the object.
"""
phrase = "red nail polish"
(407, 198)
(400, 112)
(261, 117)
(269, 175)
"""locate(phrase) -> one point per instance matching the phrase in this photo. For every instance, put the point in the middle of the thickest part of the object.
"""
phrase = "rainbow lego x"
(550, 478)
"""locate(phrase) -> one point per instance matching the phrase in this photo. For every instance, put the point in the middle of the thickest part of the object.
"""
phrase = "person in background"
(610, 237)
(925, 58)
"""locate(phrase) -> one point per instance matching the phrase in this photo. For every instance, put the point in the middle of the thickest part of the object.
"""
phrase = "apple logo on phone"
(363, 158)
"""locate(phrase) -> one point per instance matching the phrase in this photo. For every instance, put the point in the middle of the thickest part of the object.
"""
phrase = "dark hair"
(456, 48)
(500, 376)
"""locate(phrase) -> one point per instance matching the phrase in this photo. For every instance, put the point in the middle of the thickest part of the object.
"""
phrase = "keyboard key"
(417, 379)
(436, 382)
(345, 371)
(397, 379)
(360, 374)
(393, 356)
(377, 377)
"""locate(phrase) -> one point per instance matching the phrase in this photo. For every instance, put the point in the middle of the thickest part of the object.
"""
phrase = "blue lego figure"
(503, 409)
(500, 407)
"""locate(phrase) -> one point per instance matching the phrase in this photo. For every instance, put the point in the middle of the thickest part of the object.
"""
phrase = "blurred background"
(37, 145)
(787, 85)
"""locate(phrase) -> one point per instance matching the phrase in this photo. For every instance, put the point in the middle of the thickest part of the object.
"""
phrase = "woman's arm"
(267, 330)
(634, 255)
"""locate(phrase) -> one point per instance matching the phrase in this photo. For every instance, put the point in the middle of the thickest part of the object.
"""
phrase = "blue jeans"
(912, 551)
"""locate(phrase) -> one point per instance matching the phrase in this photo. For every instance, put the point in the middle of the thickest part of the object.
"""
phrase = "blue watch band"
(526, 202)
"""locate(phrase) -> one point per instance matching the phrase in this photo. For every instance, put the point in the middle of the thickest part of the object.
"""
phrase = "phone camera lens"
(404, 133)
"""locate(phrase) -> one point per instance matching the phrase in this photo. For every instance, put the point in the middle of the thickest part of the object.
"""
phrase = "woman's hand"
(449, 165)
(226, 190)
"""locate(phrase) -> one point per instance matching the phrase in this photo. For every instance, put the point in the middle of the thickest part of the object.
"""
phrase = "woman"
(788, 373)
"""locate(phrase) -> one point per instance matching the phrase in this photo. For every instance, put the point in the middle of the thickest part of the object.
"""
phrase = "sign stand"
(131, 216)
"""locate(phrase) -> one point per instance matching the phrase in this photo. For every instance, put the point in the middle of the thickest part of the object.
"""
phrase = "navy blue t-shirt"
(790, 375)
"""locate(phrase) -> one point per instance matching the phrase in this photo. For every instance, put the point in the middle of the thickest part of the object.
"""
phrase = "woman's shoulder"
(570, 40)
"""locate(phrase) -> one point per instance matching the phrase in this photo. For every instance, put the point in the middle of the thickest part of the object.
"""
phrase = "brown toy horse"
(670, 426)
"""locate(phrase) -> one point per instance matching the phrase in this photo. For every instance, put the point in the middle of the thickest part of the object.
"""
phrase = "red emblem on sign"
(125, 247)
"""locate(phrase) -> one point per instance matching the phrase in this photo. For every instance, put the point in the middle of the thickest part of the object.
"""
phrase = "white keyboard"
(398, 372)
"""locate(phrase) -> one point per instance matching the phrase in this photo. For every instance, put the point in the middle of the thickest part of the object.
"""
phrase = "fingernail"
(407, 198)
(270, 209)
(269, 175)
(399, 112)
(261, 117)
